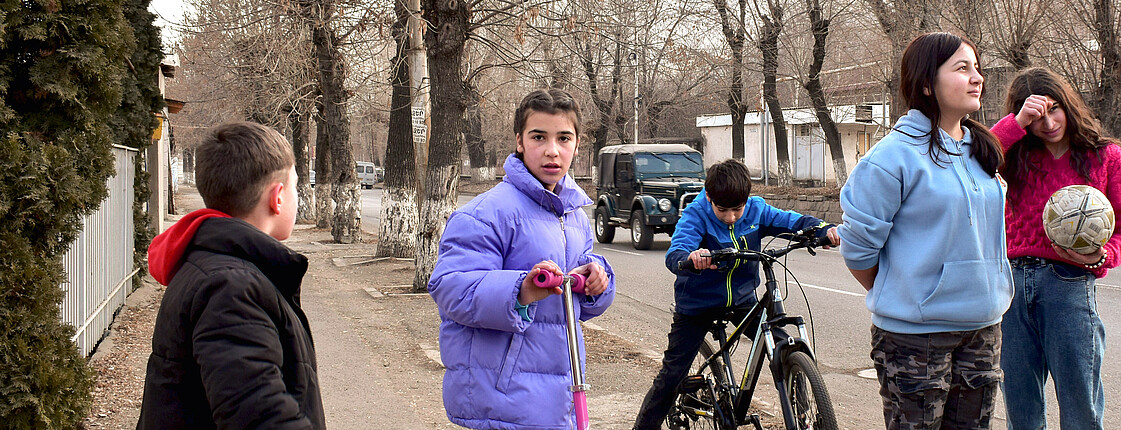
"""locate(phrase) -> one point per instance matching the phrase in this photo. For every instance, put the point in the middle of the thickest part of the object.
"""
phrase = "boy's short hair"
(550, 101)
(728, 183)
(235, 161)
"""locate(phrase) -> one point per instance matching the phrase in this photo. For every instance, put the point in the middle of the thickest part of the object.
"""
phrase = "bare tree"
(445, 39)
(735, 33)
(324, 206)
(1107, 99)
(901, 21)
(398, 230)
(819, 27)
(770, 30)
(1013, 27)
(320, 17)
(473, 137)
(299, 123)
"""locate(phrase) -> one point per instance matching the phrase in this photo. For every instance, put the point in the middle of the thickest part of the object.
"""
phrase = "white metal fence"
(99, 263)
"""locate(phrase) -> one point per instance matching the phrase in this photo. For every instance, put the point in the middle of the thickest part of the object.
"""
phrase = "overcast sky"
(169, 15)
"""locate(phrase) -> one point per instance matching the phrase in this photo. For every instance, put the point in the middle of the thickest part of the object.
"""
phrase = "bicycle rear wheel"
(806, 393)
(694, 406)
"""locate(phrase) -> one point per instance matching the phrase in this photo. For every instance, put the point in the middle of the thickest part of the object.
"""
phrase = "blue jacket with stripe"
(733, 284)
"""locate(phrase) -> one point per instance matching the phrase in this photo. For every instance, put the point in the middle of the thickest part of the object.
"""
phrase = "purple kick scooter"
(571, 283)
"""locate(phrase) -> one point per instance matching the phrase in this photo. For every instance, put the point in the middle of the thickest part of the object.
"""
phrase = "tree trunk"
(445, 38)
(346, 221)
(1109, 89)
(323, 206)
(298, 123)
(735, 102)
(819, 25)
(734, 35)
(476, 145)
(768, 44)
(603, 105)
(397, 233)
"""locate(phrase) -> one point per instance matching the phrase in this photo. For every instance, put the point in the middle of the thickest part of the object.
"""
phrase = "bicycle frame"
(770, 339)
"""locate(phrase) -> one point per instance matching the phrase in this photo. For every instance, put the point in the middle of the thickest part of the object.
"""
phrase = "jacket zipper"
(564, 239)
(728, 279)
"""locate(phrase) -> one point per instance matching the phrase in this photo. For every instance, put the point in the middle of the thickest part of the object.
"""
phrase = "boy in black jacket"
(232, 348)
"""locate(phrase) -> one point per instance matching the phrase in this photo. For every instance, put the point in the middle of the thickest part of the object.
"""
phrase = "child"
(501, 337)
(232, 348)
(722, 216)
(923, 232)
(1052, 140)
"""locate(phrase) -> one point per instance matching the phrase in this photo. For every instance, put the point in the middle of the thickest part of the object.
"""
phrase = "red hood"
(166, 251)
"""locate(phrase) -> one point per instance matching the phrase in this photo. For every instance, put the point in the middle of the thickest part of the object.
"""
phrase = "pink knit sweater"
(1024, 215)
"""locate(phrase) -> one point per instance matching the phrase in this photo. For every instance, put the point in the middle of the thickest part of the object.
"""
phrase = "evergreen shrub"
(61, 63)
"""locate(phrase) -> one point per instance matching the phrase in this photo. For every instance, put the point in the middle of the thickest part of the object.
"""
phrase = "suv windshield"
(668, 164)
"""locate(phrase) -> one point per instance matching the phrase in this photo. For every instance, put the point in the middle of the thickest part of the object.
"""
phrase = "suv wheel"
(605, 232)
(641, 236)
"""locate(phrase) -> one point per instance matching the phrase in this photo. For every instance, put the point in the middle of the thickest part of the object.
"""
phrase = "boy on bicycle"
(724, 215)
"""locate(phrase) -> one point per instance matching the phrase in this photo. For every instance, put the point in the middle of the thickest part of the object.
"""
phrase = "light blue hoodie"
(936, 230)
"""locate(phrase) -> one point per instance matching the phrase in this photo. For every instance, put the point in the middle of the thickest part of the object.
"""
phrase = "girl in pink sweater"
(1051, 139)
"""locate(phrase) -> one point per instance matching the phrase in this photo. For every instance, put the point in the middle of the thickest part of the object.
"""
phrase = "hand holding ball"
(1079, 218)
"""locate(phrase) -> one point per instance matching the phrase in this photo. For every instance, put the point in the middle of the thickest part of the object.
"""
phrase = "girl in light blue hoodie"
(923, 232)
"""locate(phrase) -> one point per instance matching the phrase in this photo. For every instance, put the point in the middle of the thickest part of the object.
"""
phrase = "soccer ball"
(1079, 218)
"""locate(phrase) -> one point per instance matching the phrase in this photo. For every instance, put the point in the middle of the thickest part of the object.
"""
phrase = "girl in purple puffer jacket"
(501, 337)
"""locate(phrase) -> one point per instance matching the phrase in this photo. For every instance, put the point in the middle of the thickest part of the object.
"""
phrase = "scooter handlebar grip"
(547, 279)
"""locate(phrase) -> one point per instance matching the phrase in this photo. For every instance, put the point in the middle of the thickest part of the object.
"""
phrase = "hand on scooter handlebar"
(530, 292)
(590, 279)
(548, 279)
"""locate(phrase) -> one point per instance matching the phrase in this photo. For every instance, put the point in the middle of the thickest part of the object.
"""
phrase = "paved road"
(642, 314)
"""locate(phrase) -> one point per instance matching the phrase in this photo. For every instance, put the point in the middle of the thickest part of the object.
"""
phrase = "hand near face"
(1035, 106)
(596, 278)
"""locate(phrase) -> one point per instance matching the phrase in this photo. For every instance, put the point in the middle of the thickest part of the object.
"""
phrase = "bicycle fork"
(777, 352)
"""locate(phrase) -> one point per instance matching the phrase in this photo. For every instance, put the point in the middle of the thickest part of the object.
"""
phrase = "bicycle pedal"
(692, 383)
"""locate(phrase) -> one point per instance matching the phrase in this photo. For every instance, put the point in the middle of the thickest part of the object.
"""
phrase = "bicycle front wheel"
(806, 393)
(695, 407)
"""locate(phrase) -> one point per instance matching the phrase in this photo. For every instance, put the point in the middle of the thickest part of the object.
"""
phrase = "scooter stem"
(579, 398)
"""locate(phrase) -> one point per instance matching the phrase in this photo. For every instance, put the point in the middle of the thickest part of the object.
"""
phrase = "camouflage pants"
(938, 380)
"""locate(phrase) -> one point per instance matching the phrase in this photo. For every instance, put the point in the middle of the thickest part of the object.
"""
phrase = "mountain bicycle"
(710, 398)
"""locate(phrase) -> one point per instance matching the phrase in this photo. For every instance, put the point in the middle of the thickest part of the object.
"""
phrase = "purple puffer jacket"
(502, 371)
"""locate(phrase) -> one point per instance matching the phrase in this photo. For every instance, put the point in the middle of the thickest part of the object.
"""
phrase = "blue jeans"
(1053, 328)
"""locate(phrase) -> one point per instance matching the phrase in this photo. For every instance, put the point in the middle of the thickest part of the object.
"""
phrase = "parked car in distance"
(366, 175)
(644, 187)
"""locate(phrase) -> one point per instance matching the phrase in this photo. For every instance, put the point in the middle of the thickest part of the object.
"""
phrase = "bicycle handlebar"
(802, 239)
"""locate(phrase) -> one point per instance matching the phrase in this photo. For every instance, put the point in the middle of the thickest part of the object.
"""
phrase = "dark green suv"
(644, 187)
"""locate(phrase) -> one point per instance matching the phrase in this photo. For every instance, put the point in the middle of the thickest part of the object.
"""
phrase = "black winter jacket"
(232, 348)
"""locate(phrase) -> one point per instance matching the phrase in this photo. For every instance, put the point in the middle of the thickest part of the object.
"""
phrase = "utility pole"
(418, 85)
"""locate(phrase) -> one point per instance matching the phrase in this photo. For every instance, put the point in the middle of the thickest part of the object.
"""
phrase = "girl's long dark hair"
(1083, 130)
(918, 71)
